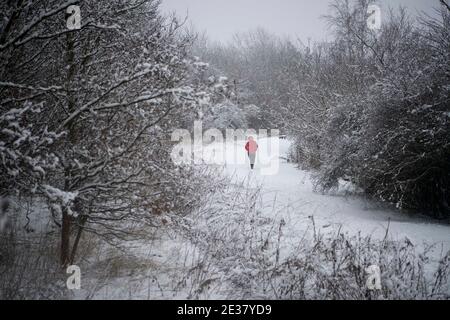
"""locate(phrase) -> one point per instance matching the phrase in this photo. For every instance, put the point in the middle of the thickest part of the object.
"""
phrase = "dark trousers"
(252, 157)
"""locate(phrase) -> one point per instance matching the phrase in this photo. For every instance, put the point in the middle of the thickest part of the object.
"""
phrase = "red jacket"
(251, 147)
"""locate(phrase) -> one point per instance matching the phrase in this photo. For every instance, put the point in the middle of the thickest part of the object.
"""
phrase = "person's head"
(250, 138)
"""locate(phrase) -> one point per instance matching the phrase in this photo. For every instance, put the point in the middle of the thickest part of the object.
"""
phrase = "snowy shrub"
(25, 149)
(367, 107)
(374, 119)
(335, 267)
(244, 255)
(225, 115)
(406, 126)
(86, 115)
(29, 268)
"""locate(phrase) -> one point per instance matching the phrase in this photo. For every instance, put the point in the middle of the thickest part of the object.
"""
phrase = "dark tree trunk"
(66, 218)
(65, 238)
(82, 222)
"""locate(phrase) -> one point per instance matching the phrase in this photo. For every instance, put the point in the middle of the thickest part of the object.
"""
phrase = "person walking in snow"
(251, 147)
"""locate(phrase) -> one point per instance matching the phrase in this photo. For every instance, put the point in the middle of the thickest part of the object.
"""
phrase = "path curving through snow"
(289, 195)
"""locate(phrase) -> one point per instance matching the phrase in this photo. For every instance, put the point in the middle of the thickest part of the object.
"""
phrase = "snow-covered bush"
(370, 107)
(225, 115)
(244, 254)
(109, 93)
(334, 266)
(29, 267)
(406, 124)
(373, 109)
(25, 149)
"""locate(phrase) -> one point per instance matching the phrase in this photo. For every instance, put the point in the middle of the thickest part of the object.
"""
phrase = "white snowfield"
(174, 266)
(291, 192)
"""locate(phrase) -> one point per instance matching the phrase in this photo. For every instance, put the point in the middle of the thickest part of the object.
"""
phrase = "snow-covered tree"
(369, 106)
(108, 95)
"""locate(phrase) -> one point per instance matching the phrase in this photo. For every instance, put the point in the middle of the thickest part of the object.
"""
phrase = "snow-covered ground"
(216, 253)
(291, 192)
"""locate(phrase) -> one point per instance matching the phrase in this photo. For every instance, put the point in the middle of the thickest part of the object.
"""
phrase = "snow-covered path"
(178, 262)
(290, 193)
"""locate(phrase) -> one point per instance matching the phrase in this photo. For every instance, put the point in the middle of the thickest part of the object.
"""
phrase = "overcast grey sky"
(295, 18)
